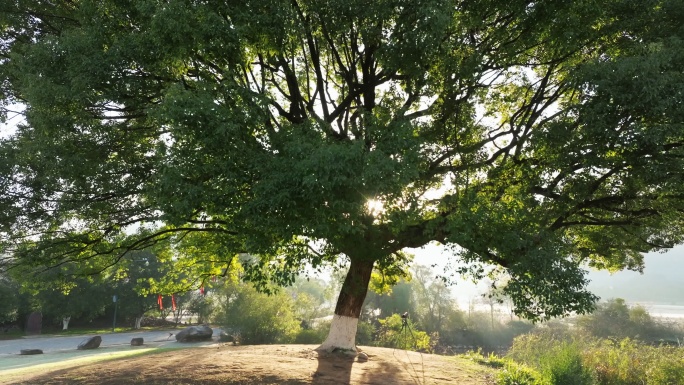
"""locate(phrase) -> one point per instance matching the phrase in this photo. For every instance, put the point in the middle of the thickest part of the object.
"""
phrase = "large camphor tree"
(537, 137)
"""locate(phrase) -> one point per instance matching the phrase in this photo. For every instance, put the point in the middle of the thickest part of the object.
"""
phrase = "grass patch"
(509, 372)
(492, 360)
(81, 331)
(77, 331)
(11, 335)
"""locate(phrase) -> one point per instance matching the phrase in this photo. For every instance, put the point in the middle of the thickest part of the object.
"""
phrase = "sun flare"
(375, 207)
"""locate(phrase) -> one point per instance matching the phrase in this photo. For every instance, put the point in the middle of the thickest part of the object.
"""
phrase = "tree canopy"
(535, 136)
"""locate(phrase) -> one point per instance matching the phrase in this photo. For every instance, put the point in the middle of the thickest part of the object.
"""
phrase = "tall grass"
(563, 365)
(575, 359)
(511, 373)
(629, 362)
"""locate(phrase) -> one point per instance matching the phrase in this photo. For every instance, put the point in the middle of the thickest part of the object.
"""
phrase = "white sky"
(14, 117)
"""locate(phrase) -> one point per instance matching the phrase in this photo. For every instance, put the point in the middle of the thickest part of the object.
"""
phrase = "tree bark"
(65, 322)
(342, 333)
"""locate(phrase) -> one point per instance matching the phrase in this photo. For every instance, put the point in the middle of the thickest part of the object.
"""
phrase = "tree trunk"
(65, 322)
(342, 333)
(138, 320)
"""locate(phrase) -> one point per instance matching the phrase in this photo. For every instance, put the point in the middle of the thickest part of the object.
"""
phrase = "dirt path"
(269, 364)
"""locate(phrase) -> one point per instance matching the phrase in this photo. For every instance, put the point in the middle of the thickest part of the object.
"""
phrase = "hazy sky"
(657, 264)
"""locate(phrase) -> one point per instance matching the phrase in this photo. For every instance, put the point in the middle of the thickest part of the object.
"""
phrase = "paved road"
(49, 344)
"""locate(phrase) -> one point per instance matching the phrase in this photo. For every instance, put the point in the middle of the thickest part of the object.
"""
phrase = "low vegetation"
(615, 345)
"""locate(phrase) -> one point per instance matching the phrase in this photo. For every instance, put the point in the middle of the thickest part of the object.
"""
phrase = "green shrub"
(515, 374)
(618, 363)
(491, 360)
(310, 336)
(258, 318)
(668, 369)
(631, 363)
(574, 359)
(530, 348)
(511, 373)
(364, 333)
(562, 365)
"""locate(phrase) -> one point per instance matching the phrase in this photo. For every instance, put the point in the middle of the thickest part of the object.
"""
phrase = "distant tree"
(314, 287)
(537, 137)
(62, 296)
(454, 328)
(133, 284)
(85, 301)
(309, 296)
(201, 306)
(10, 302)
(256, 317)
(616, 319)
(433, 300)
(395, 301)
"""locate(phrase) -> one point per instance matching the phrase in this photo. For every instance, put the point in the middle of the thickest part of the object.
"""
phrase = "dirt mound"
(271, 364)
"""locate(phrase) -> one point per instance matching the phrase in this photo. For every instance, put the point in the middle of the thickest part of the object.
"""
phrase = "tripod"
(405, 330)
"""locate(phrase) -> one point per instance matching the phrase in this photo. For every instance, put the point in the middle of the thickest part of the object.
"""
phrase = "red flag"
(173, 301)
(202, 290)
(159, 301)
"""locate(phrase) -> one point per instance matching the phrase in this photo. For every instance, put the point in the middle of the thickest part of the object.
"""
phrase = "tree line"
(65, 299)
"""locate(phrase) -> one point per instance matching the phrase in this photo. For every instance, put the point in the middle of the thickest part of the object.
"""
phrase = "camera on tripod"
(402, 337)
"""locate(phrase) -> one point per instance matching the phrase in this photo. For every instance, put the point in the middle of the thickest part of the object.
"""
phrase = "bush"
(617, 363)
(563, 365)
(631, 363)
(668, 370)
(311, 336)
(258, 318)
(530, 348)
(511, 373)
(577, 359)
(364, 333)
(491, 360)
(515, 374)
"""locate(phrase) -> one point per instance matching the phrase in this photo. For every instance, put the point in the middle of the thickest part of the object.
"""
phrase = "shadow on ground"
(264, 365)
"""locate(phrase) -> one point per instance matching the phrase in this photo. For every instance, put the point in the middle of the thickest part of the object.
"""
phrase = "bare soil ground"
(268, 364)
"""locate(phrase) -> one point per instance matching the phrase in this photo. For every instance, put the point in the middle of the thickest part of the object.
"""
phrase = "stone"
(362, 357)
(35, 323)
(194, 333)
(90, 343)
(137, 341)
(28, 352)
